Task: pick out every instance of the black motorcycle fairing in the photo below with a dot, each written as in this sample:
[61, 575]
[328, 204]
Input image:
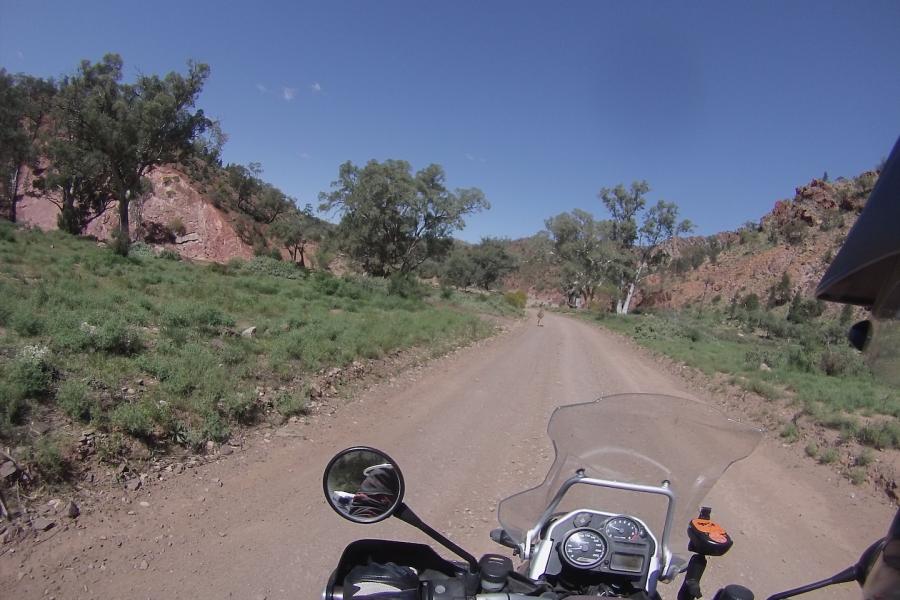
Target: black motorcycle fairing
[418, 556]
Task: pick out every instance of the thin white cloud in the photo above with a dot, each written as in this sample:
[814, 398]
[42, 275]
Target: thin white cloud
[304, 155]
[262, 89]
[469, 156]
[316, 87]
[21, 55]
[473, 158]
[288, 93]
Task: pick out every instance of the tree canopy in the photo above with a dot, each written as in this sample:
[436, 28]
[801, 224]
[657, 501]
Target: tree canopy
[129, 128]
[393, 220]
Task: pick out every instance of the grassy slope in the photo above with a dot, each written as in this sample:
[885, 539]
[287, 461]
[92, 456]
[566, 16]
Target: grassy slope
[150, 347]
[852, 401]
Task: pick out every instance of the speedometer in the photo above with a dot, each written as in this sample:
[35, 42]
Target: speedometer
[584, 548]
[623, 528]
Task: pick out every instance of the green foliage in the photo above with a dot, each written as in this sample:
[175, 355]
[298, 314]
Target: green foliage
[109, 321]
[406, 285]
[74, 398]
[392, 220]
[812, 450]
[750, 302]
[828, 456]
[864, 458]
[803, 310]
[491, 262]
[115, 132]
[516, 299]
[780, 292]
[880, 435]
[841, 360]
[790, 432]
[857, 475]
[48, 461]
[31, 374]
[169, 254]
[135, 418]
[291, 404]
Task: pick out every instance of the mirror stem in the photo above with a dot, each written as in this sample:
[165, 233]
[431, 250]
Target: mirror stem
[405, 514]
[848, 574]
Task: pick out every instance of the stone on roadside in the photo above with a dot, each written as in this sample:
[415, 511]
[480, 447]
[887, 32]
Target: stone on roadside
[42, 524]
[134, 484]
[72, 510]
[225, 450]
[249, 332]
[8, 469]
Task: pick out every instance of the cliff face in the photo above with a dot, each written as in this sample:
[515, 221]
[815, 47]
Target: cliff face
[798, 237]
[174, 215]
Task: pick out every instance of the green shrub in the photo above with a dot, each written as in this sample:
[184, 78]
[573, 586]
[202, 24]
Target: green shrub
[169, 254]
[857, 475]
[885, 434]
[27, 324]
[828, 456]
[116, 337]
[176, 226]
[516, 299]
[290, 404]
[13, 406]
[267, 265]
[837, 361]
[194, 315]
[7, 232]
[48, 461]
[74, 398]
[446, 292]
[141, 250]
[215, 427]
[137, 419]
[864, 458]
[790, 432]
[750, 302]
[406, 285]
[31, 372]
[812, 450]
[239, 406]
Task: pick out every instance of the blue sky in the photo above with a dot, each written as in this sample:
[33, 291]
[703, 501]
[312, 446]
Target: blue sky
[723, 108]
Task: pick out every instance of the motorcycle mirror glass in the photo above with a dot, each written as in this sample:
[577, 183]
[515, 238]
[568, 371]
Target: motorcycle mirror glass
[363, 485]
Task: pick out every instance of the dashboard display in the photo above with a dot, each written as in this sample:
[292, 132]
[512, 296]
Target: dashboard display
[584, 548]
[632, 563]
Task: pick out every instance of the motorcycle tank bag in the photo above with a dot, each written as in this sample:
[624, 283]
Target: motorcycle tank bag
[376, 581]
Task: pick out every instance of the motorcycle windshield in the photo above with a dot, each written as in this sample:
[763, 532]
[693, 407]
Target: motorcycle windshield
[644, 439]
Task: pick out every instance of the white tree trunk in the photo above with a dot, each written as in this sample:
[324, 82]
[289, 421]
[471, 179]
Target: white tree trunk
[626, 305]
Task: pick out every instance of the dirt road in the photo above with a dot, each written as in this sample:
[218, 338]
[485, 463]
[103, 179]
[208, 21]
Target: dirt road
[467, 430]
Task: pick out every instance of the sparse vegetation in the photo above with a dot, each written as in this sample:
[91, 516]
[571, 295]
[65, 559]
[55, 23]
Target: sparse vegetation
[152, 348]
[769, 354]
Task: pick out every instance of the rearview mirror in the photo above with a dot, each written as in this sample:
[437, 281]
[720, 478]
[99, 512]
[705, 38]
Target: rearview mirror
[363, 485]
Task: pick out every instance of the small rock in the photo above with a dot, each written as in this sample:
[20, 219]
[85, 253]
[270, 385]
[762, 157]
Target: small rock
[764, 367]
[134, 484]
[131, 513]
[225, 450]
[210, 445]
[249, 332]
[42, 524]
[144, 565]
[72, 510]
[145, 504]
[178, 468]
[130, 391]
[8, 469]
[140, 382]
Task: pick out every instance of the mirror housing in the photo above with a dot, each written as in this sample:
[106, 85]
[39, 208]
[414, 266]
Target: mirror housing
[363, 485]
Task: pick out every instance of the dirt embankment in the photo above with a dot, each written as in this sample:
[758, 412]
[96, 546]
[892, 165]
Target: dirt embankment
[174, 215]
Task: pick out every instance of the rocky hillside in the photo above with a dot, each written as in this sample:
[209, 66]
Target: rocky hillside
[798, 237]
[180, 213]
